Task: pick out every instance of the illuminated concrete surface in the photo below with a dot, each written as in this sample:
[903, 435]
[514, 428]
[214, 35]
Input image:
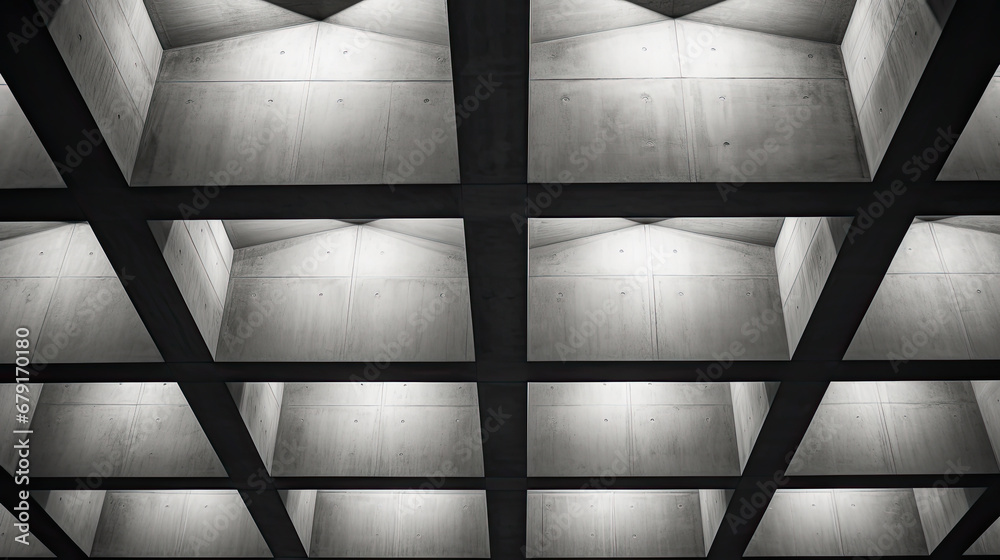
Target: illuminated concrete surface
[900, 428]
[618, 523]
[378, 429]
[10, 548]
[940, 298]
[974, 158]
[23, 161]
[989, 543]
[58, 282]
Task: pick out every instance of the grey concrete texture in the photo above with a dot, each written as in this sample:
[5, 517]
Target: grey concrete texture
[642, 429]
[385, 291]
[23, 161]
[400, 524]
[940, 298]
[616, 523]
[652, 291]
[58, 283]
[901, 428]
[10, 548]
[974, 157]
[119, 430]
[379, 429]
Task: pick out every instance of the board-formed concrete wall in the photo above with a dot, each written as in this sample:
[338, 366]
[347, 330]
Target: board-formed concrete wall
[898, 428]
[56, 281]
[940, 298]
[112, 52]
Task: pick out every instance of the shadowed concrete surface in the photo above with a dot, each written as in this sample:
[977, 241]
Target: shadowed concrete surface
[378, 429]
[735, 92]
[902, 427]
[400, 524]
[940, 298]
[642, 429]
[10, 548]
[23, 161]
[58, 281]
[989, 543]
[115, 430]
[620, 523]
[325, 290]
[690, 289]
[974, 156]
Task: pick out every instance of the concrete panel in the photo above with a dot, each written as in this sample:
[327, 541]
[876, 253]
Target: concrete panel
[24, 163]
[326, 254]
[815, 20]
[442, 524]
[553, 19]
[587, 394]
[77, 512]
[679, 253]
[222, 241]
[386, 255]
[918, 253]
[798, 524]
[245, 233]
[578, 441]
[187, 22]
[973, 157]
[211, 258]
[167, 440]
[684, 441]
[699, 317]
[145, 35]
[617, 253]
[927, 392]
[162, 393]
[750, 407]
[865, 518]
[415, 319]
[657, 524]
[73, 440]
[967, 251]
[570, 524]
[301, 506]
[303, 320]
[431, 394]
[125, 51]
[617, 311]
[637, 137]
[10, 230]
[345, 53]
[85, 256]
[844, 439]
[24, 301]
[223, 132]
[761, 231]
[359, 524]
[10, 548]
[328, 441]
[941, 508]
[645, 51]
[713, 510]
[679, 394]
[82, 46]
[260, 411]
[194, 280]
[808, 284]
[186, 523]
[904, 306]
[712, 51]
[8, 400]
[331, 394]
[909, 48]
[931, 439]
[420, 20]
[422, 142]
[89, 393]
[100, 322]
[988, 224]
[803, 130]
[988, 398]
[36, 254]
[450, 231]
[344, 133]
[865, 42]
[548, 231]
[429, 440]
[281, 54]
[793, 249]
[988, 543]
